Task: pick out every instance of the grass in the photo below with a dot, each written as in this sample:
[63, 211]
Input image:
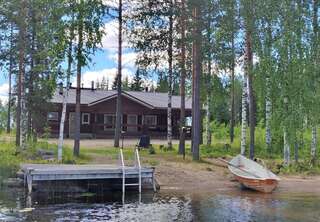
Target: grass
[221, 147]
[10, 159]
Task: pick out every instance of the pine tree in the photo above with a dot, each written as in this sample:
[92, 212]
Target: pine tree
[137, 82]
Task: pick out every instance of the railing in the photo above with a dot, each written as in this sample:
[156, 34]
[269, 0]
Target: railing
[137, 165]
[121, 163]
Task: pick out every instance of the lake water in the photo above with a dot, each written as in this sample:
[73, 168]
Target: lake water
[242, 206]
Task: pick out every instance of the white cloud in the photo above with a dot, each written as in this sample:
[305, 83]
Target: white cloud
[108, 74]
[4, 89]
[128, 59]
[110, 38]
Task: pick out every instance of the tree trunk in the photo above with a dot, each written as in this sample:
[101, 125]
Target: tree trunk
[248, 66]
[313, 144]
[21, 111]
[244, 117]
[208, 111]
[286, 148]
[316, 57]
[170, 51]
[268, 115]
[232, 118]
[268, 102]
[183, 80]
[196, 82]
[65, 99]
[119, 84]
[208, 117]
[76, 150]
[10, 78]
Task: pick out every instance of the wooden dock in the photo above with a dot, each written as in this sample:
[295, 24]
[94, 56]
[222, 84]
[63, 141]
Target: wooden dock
[54, 172]
[61, 172]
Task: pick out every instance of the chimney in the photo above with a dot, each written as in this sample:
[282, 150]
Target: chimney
[60, 88]
[92, 85]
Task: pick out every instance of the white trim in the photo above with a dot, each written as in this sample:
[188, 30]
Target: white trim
[125, 95]
[82, 119]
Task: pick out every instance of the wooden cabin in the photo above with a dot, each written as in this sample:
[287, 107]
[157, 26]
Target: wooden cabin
[143, 113]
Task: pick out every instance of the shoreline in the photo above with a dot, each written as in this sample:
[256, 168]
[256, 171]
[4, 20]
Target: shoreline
[201, 178]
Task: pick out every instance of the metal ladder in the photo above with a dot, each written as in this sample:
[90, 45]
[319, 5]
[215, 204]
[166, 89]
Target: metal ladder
[137, 165]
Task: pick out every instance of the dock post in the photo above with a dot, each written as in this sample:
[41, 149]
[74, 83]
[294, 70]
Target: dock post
[154, 183]
[29, 180]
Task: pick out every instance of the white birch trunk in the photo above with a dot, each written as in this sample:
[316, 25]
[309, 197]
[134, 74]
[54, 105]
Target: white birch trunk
[169, 135]
[208, 117]
[63, 117]
[313, 143]
[286, 148]
[268, 115]
[244, 118]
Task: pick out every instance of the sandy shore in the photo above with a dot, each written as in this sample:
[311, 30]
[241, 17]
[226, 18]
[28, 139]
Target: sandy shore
[172, 173]
[203, 177]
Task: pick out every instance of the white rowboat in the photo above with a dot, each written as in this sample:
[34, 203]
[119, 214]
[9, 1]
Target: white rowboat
[252, 175]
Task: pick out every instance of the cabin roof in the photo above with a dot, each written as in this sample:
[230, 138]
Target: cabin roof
[153, 100]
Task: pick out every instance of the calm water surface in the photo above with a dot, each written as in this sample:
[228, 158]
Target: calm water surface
[163, 206]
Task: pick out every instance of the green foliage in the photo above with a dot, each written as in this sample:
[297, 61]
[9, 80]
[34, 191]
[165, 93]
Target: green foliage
[151, 150]
[10, 160]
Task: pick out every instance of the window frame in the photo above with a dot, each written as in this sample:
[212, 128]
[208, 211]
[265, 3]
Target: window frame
[105, 128]
[82, 119]
[154, 122]
[56, 114]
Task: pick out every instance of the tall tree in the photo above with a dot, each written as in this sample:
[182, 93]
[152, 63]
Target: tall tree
[137, 82]
[66, 91]
[196, 118]
[21, 111]
[10, 74]
[170, 77]
[183, 21]
[315, 71]
[88, 22]
[119, 84]
[248, 59]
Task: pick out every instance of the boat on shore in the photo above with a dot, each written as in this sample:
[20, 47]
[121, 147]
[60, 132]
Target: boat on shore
[252, 175]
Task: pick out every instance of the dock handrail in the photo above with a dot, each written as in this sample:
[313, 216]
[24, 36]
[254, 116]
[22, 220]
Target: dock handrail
[137, 164]
[121, 160]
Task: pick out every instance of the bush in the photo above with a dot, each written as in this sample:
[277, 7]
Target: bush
[152, 150]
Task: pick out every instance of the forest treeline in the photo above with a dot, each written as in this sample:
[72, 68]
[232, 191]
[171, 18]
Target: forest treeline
[243, 62]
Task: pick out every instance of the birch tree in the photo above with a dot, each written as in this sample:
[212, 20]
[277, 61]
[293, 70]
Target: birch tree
[66, 91]
[182, 63]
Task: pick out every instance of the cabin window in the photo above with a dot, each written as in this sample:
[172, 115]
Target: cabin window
[150, 120]
[52, 116]
[85, 118]
[189, 121]
[109, 121]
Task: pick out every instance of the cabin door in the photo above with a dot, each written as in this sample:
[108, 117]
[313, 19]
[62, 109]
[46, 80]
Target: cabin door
[132, 122]
[72, 124]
